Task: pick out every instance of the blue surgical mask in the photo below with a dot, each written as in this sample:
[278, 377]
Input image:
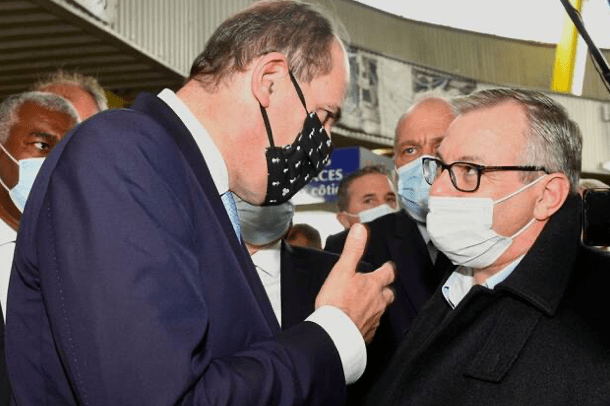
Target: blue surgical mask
[413, 190]
[262, 225]
[28, 169]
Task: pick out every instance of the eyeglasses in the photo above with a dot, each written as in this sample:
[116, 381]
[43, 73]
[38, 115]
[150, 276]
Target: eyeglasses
[466, 176]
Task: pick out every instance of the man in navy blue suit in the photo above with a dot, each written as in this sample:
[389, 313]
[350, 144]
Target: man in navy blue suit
[131, 284]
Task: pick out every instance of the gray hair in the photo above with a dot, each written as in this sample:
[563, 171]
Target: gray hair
[9, 108]
[553, 140]
[88, 83]
[298, 30]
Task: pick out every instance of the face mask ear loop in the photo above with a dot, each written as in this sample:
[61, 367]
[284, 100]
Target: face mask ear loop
[298, 89]
[267, 125]
[8, 154]
[13, 159]
[519, 190]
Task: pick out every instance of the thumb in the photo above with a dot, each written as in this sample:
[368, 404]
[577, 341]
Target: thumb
[354, 247]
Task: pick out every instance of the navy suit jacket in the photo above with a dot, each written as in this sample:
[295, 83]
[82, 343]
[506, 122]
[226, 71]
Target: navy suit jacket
[130, 287]
[303, 272]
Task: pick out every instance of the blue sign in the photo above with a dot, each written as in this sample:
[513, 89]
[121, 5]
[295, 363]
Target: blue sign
[343, 161]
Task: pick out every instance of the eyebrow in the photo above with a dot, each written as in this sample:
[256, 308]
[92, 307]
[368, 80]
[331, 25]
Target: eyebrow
[438, 139]
[45, 135]
[463, 158]
[368, 195]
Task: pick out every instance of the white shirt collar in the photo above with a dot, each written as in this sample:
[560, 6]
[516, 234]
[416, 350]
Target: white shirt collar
[461, 281]
[269, 259]
[212, 156]
[7, 234]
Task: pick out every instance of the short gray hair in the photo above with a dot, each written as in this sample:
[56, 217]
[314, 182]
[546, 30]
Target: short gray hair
[553, 140]
[88, 83]
[301, 31]
[9, 108]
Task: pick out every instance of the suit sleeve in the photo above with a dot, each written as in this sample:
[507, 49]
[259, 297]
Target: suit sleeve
[122, 288]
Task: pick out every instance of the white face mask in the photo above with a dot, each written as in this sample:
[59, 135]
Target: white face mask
[28, 169]
[460, 227]
[413, 189]
[369, 215]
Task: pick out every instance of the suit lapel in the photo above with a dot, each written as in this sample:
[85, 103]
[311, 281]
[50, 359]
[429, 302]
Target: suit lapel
[165, 116]
[408, 250]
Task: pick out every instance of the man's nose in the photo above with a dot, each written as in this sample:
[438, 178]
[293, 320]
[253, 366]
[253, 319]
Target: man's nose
[442, 185]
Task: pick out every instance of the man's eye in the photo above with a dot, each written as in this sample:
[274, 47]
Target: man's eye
[42, 146]
[470, 171]
[409, 151]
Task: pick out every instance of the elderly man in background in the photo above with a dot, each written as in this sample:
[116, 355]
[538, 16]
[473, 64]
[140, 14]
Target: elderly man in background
[84, 92]
[31, 124]
[522, 320]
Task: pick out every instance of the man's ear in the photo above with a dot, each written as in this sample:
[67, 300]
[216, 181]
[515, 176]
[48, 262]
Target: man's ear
[342, 217]
[555, 190]
[268, 69]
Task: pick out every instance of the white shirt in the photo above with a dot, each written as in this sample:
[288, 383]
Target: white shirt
[7, 249]
[268, 262]
[461, 281]
[342, 331]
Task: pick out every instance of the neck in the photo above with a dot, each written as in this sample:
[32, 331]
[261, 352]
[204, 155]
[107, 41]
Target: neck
[8, 212]
[227, 121]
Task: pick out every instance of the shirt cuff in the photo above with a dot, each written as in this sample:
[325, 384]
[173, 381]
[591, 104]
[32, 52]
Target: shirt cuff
[347, 340]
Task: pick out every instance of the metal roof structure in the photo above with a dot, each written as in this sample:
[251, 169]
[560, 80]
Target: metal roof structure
[39, 36]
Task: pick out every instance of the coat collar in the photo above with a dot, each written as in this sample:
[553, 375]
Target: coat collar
[543, 275]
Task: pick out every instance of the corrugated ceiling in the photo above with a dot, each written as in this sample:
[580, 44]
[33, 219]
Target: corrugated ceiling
[39, 36]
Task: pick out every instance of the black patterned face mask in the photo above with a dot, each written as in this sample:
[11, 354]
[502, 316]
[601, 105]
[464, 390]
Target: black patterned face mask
[294, 166]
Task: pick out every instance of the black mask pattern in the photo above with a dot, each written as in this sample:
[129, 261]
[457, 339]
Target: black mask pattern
[293, 166]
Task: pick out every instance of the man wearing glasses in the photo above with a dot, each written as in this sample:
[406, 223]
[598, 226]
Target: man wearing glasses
[520, 319]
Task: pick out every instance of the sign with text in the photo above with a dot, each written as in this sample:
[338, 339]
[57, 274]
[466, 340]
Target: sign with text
[343, 161]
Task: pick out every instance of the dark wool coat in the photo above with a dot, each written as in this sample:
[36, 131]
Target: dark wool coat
[539, 338]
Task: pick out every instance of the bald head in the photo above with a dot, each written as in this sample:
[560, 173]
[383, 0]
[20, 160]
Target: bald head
[421, 129]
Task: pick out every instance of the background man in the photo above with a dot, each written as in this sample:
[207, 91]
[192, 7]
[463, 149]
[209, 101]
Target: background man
[520, 321]
[84, 92]
[304, 235]
[31, 124]
[401, 237]
[365, 195]
[131, 285]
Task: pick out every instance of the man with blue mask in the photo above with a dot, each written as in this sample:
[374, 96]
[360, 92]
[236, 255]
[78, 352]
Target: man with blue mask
[31, 124]
[522, 319]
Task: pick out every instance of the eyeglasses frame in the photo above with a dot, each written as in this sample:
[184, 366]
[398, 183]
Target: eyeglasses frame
[480, 170]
